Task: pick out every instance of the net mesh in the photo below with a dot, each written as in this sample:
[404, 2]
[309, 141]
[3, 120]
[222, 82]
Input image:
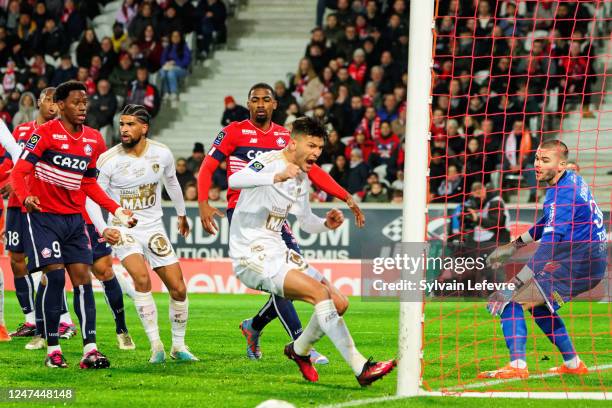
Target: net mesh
[508, 76]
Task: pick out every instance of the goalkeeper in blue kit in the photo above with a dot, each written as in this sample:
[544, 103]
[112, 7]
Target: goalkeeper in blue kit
[571, 259]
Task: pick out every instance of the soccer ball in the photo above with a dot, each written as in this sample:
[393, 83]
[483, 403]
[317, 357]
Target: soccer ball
[273, 403]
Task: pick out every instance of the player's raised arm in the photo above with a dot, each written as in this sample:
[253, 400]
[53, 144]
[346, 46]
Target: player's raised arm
[325, 182]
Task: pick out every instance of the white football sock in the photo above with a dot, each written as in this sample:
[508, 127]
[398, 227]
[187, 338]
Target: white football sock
[518, 363]
[179, 312]
[1, 297]
[51, 349]
[311, 334]
[147, 312]
[88, 348]
[334, 327]
[65, 318]
[126, 286]
[30, 318]
[573, 363]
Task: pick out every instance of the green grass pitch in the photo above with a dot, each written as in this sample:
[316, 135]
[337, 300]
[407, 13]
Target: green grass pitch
[225, 378]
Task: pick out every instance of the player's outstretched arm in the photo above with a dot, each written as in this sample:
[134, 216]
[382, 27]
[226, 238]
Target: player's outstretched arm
[93, 190]
[256, 174]
[207, 211]
[20, 172]
[8, 142]
[325, 182]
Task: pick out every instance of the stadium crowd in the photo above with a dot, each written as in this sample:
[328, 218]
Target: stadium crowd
[494, 62]
[45, 43]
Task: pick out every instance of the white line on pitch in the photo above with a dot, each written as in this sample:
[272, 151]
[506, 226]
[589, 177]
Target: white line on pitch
[357, 403]
[503, 381]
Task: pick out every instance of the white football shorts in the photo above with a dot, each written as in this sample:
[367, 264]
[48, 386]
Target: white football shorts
[150, 240]
[267, 272]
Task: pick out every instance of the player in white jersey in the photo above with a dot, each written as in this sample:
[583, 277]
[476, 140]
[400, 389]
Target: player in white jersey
[132, 173]
[273, 186]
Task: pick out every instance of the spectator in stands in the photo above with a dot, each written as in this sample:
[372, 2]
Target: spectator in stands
[142, 20]
[220, 175]
[109, 57]
[283, 100]
[142, 92]
[398, 126]
[578, 79]
[517, 158]
[344, 79]
[388, 112]
[27, 32]
[87, 48]
[122, 75]
[353, 116]
[126, 13]
[332, 149]
[191, 192]
[361, 142]
[317, 58]
[151, 48]
[5, 115]
[53, 39]
[65, 72]
[312, 94]
[358, 68]
[212, 16]
[95, 67]
[384, 150]
[476, 166]
[83, 76]
[333, 111]
[487, 211]
[170, 22]
[304, 74]
[27, 109]
[398, 183]
[183, 174]
[348, 43]
[358, 172]
[119, 38]
[72, 20]
[333, 32]
[138, 58]
[102, 107]
[175, 62]
[377, 194]
[214, 194]
[451, 188]
[340, 171]
[197, 157]
[371, 97]
[233, 112]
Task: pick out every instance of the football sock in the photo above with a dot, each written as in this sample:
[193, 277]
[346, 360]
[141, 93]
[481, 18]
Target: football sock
[515, 332]
[114, 299]
[85, 309]
[179, 312]
[334, 327]
[24, 289]
[311, 334]
[147, 312]
[282, 308]
[52, 304]
[553, 327]
[65, 317]
[38, 306]
[89, 347]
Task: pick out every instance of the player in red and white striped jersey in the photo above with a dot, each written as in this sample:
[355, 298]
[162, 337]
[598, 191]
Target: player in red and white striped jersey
[60, 157]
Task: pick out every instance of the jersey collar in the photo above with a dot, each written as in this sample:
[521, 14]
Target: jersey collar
[259, 130]
[70, 134]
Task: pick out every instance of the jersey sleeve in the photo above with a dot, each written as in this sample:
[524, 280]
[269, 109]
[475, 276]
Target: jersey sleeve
[223, 145]
[255, 174]
[173, 187]
[34, 148]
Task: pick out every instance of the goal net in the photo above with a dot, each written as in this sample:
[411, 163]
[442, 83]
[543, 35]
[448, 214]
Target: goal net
[506, 77]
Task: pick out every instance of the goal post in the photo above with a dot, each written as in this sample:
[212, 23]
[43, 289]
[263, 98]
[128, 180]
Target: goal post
[415, 193]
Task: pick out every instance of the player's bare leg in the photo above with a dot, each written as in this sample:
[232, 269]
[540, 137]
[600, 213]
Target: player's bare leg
[102, 269]
[24, 289]
[327, 320]
[85, 309]
[145, 304]
[172, 276]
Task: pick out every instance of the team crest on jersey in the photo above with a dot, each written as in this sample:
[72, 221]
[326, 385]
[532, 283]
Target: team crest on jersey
[159, 245]
[155, 167]
[219, 138]
[256, 166]
[46, 253]
[281, 142]
[88, 150]
[32, 142]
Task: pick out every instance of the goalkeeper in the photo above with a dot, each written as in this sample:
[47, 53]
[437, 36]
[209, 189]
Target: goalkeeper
[570, 259]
